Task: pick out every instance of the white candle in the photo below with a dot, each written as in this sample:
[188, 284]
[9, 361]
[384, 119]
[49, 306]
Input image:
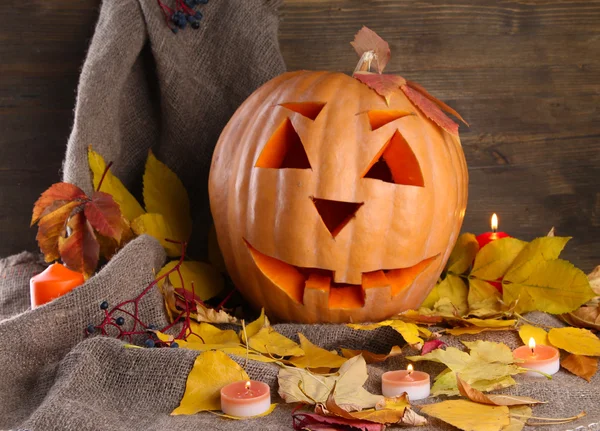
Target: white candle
[541, 358]
[245, 398]
[416, 384]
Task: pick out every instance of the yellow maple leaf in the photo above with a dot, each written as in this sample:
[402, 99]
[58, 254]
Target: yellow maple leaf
[315, 357]
[575, 340]
[469, 416]
[538, 334]
[211, 371]
[129, 205]
[207, 281]
[165, 194]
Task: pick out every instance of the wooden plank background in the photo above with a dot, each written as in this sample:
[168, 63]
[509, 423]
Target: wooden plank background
[524, 73]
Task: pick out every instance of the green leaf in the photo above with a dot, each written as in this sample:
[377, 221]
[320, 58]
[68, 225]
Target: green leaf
[463, 254]
[129, 205]
[207, 281]
[453, 296]
[554, 286]
[493, 260]
[165, 194]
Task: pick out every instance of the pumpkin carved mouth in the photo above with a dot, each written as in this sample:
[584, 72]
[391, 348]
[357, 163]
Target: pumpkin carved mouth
[302, 284]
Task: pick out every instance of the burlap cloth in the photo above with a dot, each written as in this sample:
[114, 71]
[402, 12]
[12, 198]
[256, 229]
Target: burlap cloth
[143, 87]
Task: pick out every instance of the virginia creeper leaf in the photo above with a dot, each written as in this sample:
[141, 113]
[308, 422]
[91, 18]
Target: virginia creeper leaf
[367, 40]
[314, 422]
[494, 259]
[206, 280]
[384, 85]
[463, 254]
[110, 246]
[104, 215]
[575, 340]
[129, 205]
[211, 371]
[430, 109]
[538, 334]
[55, 197]
[80, 250]
[50, 228]
[582, 366]
[469, 416]
[157, 226]
[431, 345]
[165, 194]
[435, 100]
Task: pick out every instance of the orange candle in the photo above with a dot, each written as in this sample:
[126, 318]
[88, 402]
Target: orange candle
[416, 384]
[54, 281]
[245, 398]
[545, 359]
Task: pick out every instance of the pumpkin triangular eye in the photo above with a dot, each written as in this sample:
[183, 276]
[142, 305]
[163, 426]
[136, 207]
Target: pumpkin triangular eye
[308, 109]
[284, 149]
[396, 163]
[336, 214]
[379, 118]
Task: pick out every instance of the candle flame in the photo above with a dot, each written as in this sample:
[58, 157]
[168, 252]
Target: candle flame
[410, 369]
[248, 385]
[494, 222]
[532, 344]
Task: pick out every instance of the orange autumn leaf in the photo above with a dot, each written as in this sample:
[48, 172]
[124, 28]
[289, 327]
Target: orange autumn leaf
[367, 40]
[430, 109]
[582, 366]
[103, 213]
[54, 198]
[372, 358]
[473, 394]
[384, 85]
[80, 250]
[50, 228]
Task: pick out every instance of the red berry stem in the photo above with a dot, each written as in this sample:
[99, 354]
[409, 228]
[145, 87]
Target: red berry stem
[106, 169]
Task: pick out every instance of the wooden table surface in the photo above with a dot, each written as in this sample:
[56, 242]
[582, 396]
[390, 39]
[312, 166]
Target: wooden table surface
[524, 73]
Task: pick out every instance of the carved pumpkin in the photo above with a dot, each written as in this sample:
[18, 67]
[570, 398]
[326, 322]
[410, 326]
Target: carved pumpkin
[331, 205]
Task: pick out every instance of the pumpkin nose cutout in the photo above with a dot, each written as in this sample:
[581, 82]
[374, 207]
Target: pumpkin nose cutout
[336, 214]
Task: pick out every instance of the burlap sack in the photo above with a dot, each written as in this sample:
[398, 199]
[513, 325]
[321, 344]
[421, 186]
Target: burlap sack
[143, 87]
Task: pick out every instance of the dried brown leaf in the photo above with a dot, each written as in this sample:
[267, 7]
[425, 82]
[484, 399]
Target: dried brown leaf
[372, 358]
[495, 400]
[582, 366]
[384, 85]
[80, 250]
[367, 40]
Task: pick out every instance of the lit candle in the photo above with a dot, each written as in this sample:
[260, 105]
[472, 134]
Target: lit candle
[54, 281]
[245, 398]
[540, 358]
[487, 237]
[416, 384]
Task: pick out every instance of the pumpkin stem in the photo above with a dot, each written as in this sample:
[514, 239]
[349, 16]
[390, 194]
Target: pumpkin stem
[366, 61]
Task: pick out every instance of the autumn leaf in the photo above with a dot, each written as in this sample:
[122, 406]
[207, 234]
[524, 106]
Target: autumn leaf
[390, 411]
[431, 345]
[165, 194]
[367, 40]
[518, 417]
[495, 400]
[469, 416]
[303, 386]
[463, 254]
[538, 334]
[80, 250]
[537, 251]
[476, 326]
[471, 330]
[493, 260]
[103, 213]
[129, 205]
[206, 314]
[211, 371]
[409, 331]
[315, 357]
[260, 336]
[51, 226]
[483, 298]
[413, 316]
[110, 246]
[588, 315]
[156, 226]
[384, 85]
[207, 281]
[54, 198]
[446, 384]
[207, 333]
[453, 296]
[575, 340]
[372, 358]
[311, 421]
[582, 366]
[447, 109]
[430, 109]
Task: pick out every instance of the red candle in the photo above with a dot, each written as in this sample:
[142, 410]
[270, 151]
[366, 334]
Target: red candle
[54, 281]
[487, 237]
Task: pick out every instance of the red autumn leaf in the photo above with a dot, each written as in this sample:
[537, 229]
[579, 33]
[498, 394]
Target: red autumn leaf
[384, 85]
[314, 422]
[104, 215]
[51, 227]
[431, 110]
[367, 40]
[80, 249]
[435, 100]
[56, 196]
[431, 345]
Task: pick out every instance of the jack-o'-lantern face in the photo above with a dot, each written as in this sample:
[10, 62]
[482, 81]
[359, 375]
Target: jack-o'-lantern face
[332, 206]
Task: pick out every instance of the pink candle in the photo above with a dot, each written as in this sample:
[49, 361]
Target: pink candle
[416, 384]
[540, 358]
[245, 398]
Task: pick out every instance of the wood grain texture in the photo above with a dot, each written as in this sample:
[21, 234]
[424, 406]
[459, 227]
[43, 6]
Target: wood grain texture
[525, 74]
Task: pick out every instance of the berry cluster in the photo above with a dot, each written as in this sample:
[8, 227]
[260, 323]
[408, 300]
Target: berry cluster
[183, 14]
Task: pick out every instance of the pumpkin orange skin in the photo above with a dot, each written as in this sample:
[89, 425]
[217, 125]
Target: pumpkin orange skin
[271, 210]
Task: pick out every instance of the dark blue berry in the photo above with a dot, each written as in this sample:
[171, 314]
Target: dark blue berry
[181, 23]
[195, 25]
[174, 30]
[104, 305]
[153, 327]
[191, 19]
[198, 15]
[91, 329]
[190, 3]
[174, 345]
[120, 321]
[149, 342]
[202, 1]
